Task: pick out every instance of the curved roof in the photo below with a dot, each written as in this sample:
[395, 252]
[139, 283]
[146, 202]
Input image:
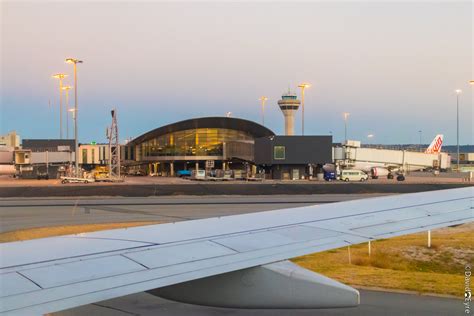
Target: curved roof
[254, 129]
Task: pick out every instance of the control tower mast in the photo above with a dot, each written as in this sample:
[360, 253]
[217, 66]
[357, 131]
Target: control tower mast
[289, 104]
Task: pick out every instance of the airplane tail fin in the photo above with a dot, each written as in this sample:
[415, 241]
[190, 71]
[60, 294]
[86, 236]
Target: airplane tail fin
[435, 146]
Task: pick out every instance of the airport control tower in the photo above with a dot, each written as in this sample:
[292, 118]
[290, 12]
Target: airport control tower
[289, 105]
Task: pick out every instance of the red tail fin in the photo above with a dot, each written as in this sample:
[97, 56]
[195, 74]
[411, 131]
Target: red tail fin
[435, 146]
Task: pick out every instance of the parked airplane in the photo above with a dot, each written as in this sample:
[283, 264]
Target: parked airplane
[231, 261]
[380, 169]
[7, 169]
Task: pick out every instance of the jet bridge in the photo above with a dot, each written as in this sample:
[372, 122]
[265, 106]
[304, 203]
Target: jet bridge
[352, 154]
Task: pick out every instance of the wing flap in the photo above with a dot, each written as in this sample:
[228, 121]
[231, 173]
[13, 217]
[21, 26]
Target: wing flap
[14, 284]
[274, 238]
[173, 255]
[81, 270]
[416, 223]
[34, 251]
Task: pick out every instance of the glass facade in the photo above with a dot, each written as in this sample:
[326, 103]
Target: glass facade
[192, 142]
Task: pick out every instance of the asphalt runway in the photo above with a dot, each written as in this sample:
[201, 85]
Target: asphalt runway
[32, 212]
[372, 303]
[24, 213]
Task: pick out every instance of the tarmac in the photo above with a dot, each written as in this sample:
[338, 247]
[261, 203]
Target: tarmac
[173, 187]
[23, 213]
[373, 303]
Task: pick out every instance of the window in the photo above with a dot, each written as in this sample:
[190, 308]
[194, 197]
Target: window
[84, 156]
[101, 153]
[279, 152]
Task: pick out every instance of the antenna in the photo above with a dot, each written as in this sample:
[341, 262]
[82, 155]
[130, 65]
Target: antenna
[114, 147]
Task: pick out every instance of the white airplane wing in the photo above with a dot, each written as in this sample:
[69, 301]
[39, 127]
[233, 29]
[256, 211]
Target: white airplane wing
[226, 261]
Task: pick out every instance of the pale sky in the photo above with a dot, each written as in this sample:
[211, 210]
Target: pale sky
[393, 65]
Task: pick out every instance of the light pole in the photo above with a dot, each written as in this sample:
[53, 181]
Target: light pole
[458, 92]
[76, 150]
[370, 137]
[60, 77]
[420, 132]
[73, 112]
[303, 86]
[67, 88]
[346, 115]
[263, 99]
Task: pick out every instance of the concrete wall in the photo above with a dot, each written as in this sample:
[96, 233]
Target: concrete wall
[95, 154]
[11, 139]
[51, 157]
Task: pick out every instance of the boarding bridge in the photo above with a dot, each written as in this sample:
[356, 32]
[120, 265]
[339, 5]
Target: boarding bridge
[406, 160]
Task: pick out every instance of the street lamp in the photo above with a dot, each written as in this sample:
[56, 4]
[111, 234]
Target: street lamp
[303, 86]
[458, 92]
[73, 112]
[67, 88]
[370, 137]
[419, 143]
[263, 99]
[346, 115]
[60, 77]
[75, 62]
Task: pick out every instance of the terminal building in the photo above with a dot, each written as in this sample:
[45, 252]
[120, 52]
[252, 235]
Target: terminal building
[226, 143]
[216, 142]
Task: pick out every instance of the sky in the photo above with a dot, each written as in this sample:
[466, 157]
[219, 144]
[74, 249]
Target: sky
[393, 66]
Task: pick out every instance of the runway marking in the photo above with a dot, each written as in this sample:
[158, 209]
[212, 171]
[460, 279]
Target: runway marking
[75, 206]
[128, 211]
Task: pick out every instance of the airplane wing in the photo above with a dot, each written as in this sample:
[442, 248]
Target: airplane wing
[216, 261]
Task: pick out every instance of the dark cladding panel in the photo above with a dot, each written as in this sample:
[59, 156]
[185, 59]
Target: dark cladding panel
[239, 150]
[42, 145]
[263, 150]
[290, 150]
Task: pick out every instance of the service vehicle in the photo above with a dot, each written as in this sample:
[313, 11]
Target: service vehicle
[198, 175]
[183, 173]
[330, 175]
[353, 175]
[76, 180]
